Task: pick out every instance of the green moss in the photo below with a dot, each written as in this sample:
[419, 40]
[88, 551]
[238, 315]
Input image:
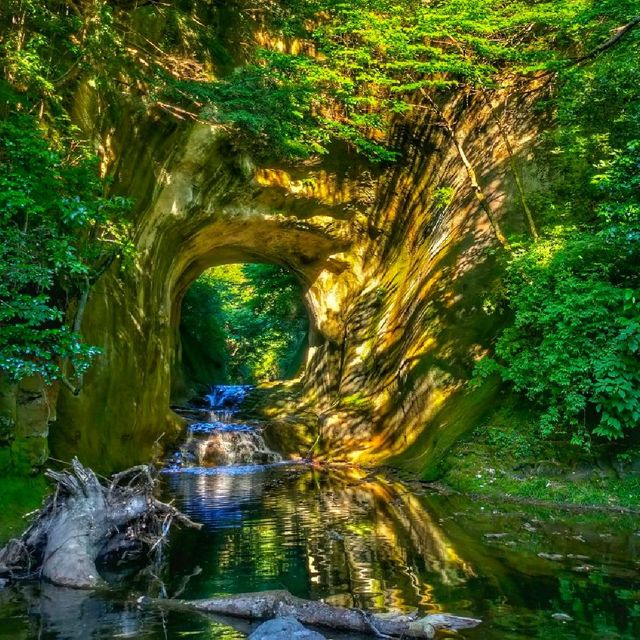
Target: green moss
[28, 454]
[459, 415]
[504, 457]
[5, 460]
[475, 478]
[356, 401]
[18, 496]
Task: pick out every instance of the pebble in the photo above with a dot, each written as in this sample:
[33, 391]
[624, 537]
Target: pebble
[555, 557]
[562, 617]
[583, 568]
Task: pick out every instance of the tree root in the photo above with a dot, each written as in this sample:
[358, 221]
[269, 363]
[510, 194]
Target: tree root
[86, 521]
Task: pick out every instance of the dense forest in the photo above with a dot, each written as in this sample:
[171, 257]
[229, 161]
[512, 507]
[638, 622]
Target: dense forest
[243, 324]
[413, 225]
[571, 278]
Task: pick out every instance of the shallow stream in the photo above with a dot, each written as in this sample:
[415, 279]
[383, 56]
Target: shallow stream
[369, 541]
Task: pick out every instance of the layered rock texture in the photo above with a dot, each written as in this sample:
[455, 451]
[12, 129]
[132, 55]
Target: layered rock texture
[27, 409]
[394, 263]
[394, 274]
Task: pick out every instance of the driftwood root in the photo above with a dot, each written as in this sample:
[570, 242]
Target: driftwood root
[86, 521]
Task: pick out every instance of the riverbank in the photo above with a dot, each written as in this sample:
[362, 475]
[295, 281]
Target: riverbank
[18, 497]
[504, 458]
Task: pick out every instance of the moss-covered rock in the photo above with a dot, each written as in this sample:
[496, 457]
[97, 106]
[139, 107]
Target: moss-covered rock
[27, 409]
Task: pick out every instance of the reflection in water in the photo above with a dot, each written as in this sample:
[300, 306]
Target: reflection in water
[368, 542]
[342, 537]
[46, 612]
[372, 543]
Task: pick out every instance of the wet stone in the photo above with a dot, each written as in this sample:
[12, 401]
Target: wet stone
[562, 617]
[554, 557]
[287, 628]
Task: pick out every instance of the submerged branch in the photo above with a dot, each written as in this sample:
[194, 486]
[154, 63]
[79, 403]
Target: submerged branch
[274, 604]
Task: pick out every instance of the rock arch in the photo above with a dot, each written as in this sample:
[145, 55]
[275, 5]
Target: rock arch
[204, 212]
[395, 282]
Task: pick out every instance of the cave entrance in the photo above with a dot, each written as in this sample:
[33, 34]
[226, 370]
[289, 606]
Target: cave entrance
[242, 323]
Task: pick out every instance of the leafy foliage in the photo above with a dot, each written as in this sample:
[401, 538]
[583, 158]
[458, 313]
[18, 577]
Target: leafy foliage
[575, 342]
[268, 103]
[354, 67]
[327, 70]
[249, 319]
[57, 231]
[574, 347]
[203, 339]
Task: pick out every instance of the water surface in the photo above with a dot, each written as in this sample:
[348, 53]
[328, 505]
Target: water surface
[364, 541]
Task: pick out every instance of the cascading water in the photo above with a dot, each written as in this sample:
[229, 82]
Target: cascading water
[225, 400]
[220, 444]
[227, 397]
[221, 441]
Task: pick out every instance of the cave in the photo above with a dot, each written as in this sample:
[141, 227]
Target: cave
[383, 305]
[241, 324]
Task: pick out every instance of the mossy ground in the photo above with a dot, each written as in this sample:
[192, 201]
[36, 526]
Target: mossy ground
[18, 496]
[505, 457]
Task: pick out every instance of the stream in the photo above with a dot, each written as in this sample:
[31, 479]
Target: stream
[353, 539]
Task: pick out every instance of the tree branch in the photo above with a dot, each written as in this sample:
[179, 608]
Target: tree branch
[618, 34]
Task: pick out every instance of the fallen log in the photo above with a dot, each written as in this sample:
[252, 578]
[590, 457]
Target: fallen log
[266, 605]
[86, 521]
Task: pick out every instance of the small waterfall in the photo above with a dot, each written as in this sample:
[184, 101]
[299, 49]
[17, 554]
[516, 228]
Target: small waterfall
[225, 400]
[218, 444]
[222, 442]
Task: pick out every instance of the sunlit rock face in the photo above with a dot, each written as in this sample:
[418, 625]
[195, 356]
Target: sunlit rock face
[394, 264]
[204, 209]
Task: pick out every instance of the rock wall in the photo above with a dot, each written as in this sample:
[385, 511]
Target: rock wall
[206, 208]
[412, 324]
[395, 265]
[27, 409]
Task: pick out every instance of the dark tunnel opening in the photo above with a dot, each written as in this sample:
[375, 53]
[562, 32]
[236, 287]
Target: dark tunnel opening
[242, 323]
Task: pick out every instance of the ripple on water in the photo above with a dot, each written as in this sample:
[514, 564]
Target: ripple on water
[370, 543]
